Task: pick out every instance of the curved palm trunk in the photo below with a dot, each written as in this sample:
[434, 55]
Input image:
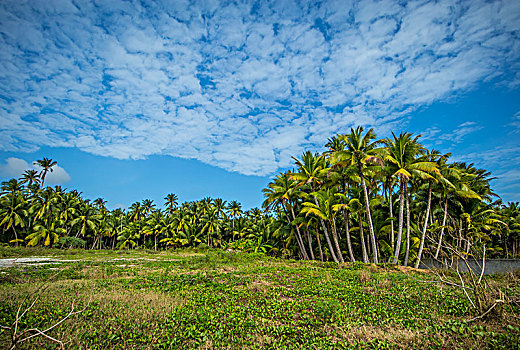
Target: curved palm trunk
[299, 236]
[362, 238]
[400, 229]
[326, 233]
[442, 229]
[421, 246]
[335, 238]
[369, 216]
[349, 243]
[407, 253]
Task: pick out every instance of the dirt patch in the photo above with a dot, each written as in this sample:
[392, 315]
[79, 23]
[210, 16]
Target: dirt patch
[408, 269]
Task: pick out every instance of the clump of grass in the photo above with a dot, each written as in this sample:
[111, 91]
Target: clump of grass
[364, 276]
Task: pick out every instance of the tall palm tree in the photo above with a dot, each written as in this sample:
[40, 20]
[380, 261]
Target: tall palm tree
[171, 202]
[402, 153]
[432, 156]
[359, 151]
[235, 210]
[282, 191]
[47, 165]
[312, 170]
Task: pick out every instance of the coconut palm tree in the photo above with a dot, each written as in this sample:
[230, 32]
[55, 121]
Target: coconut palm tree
[30, 177]
[47, 165]
[312, 170]
[361, 150]
[171, 202]
[324, 210]
[12, 213]
[282, 191]
[48, 232]
[403, 155]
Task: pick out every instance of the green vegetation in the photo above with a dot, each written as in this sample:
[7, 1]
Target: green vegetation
[208, 298]
[363, 199]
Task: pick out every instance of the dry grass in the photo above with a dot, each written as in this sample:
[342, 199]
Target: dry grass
[364, 276]
[403, 338]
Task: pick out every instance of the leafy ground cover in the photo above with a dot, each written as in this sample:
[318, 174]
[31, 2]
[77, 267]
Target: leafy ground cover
[230, 300]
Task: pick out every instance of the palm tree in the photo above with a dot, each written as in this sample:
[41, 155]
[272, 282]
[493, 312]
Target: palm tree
[282, 191]
[312, 169]
[30, 177]
[87, 220]
[47, 165]
[431, 157]
[48, 232]
[324, 210]
[171, 202]
[155, 226]
[360, 150]
[235, 210]
[13, 213]
[403, 155]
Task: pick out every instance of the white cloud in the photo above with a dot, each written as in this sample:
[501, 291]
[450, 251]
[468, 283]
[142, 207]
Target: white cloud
[240, 86]
[15, 167]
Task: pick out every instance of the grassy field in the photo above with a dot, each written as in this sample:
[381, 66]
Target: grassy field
[227, 300]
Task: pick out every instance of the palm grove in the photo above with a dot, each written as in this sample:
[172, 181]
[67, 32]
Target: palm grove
[389, 200]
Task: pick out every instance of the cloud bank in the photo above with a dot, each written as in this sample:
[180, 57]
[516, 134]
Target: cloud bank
[242, 86]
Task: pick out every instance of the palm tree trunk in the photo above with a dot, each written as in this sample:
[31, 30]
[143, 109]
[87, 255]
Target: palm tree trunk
[309, 240]
[15, 236]
[297, 240]
[299, 236]
[362, 238]
[390, 205]
[326, 233]
[369, 216]
[319, 242]
[349, 243]
[421, 246]
[94, 245]
[442, 228]
[335, 238]
[155, 243]
[400, 229]
[407, 253]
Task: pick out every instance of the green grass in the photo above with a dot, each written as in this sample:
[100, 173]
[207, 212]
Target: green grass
[225, 300]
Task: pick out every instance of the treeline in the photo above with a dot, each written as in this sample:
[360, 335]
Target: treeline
[389, 200]
[33, 214]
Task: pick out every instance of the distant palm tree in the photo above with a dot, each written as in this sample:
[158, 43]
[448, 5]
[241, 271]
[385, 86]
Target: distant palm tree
[235, 210]
[47, 165]
[30, 177]
[171, 202]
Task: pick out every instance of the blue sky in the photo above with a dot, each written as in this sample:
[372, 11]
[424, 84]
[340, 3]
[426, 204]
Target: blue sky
[137, 99]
